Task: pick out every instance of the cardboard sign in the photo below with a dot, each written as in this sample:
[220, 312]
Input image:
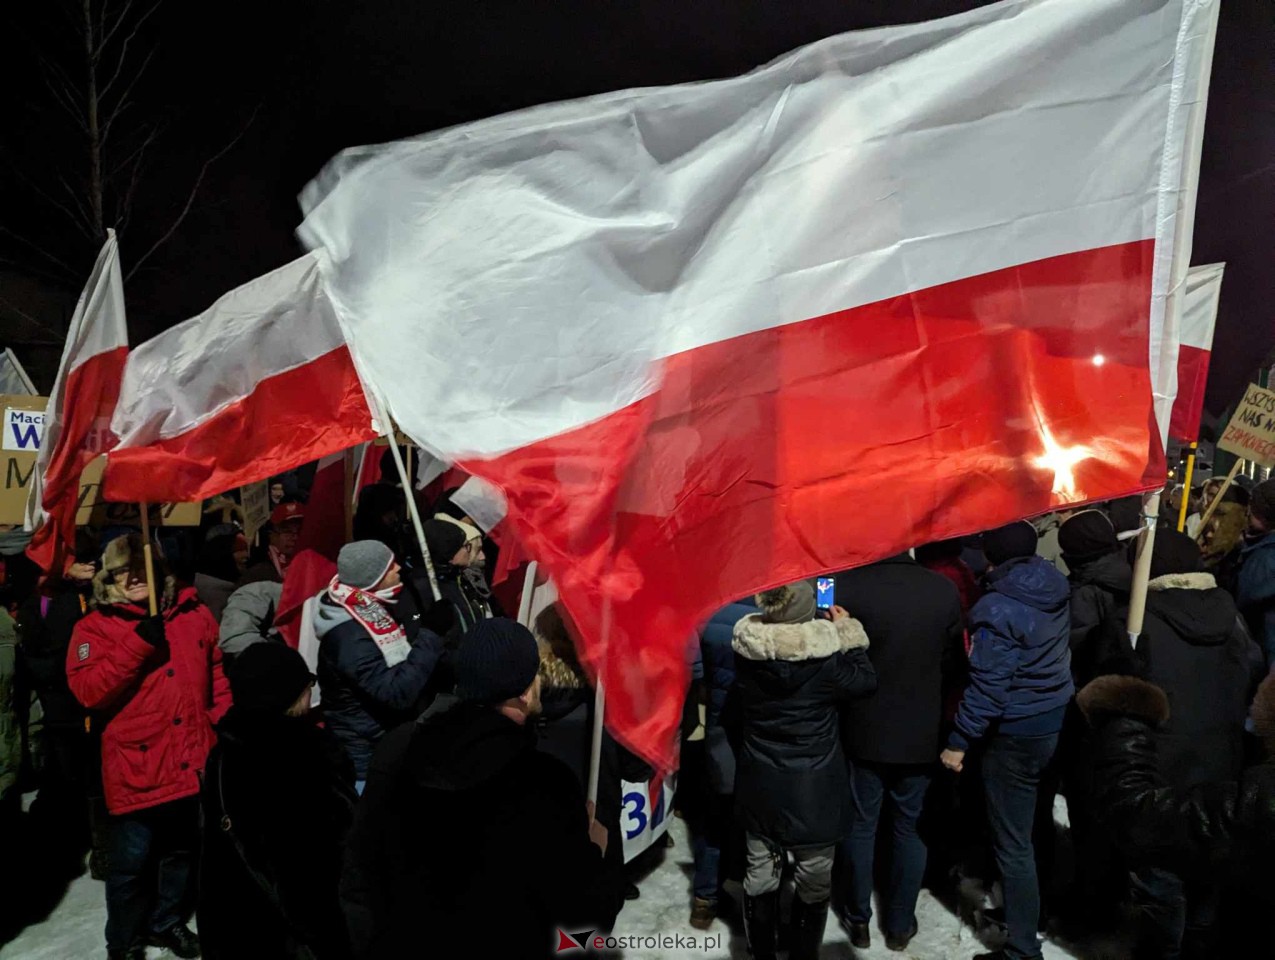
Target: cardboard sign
[1251, 432]
[482, 501]
[94, 511]
[255, 500]
[22, 435]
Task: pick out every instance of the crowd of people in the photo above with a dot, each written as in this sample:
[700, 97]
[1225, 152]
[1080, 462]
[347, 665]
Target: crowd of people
[420, 767]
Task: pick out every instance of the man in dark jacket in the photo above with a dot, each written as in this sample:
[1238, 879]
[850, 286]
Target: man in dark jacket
[1100, 577]
[1197, 650]
[278, 800]
[914, 619]
[1020, 684]
[1222, 830]
[1256, 596]
[468, 840]
[375, 658]
[792, 671]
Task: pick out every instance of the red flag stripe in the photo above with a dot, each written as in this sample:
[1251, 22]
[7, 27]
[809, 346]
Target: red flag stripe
[290, 419]
[832, 442]
[1193, 375]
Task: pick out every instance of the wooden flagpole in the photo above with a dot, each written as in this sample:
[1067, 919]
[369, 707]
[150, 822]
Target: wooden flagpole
[1142, 567]
[150, 560]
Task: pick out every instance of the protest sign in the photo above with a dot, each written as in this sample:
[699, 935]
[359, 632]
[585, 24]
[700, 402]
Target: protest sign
[23, 426]
[645, 813]
[255, 500]
[1251, 432]
[94, 511]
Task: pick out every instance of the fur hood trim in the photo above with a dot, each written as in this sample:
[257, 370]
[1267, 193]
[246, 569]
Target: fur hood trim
[813, 640]
[126, 551]
[1118, 695]
[558, 674]
[1184, 581]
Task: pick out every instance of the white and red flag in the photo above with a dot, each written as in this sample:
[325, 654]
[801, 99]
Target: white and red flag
[897, 286]
[79, 409]
[259, 383]
[1199, 316]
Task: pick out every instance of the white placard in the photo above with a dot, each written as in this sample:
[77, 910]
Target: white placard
[643, 820]
[23, 429]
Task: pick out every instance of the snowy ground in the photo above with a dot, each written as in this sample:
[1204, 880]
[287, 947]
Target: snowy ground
[74, 929]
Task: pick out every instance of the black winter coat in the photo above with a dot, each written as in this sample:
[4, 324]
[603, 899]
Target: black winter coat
[1194, 646]
[1099, 591]
[791, 780]
[364, 697]
[288, 789]
[914, 619]
[1223, 829]
[470, 842]
[46, 631]
[564, 730]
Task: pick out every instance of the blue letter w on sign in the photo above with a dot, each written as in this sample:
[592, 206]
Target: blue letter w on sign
[25, 435]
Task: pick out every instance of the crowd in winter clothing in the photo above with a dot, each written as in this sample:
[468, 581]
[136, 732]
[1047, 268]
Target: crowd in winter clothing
[417, 764]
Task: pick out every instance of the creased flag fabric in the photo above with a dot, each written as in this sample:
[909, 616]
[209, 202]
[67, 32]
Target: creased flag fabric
[79, 411]
[1199, 317]
[896, 286]
[259, 383]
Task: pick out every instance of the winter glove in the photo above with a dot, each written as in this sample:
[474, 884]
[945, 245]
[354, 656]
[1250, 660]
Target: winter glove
[151, 630]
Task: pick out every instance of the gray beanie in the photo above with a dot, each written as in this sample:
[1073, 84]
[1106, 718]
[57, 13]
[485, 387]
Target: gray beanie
[363, 563]
[794, 603]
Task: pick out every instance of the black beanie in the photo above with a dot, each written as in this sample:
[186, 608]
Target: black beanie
[268, 677]
[1087, 536]
[444, 541]
[1173, 553]
[1017, 539]
[1126, 513]
[497, 660]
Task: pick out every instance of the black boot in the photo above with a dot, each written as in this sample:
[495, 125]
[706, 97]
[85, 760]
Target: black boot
[761, 923]
[808, 921]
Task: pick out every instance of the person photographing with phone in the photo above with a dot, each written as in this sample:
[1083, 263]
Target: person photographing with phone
[792, 671]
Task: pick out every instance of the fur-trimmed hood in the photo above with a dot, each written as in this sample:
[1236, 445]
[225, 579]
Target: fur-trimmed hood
[1184, 581]
[813, 640]
[557, 673]
[127, 551]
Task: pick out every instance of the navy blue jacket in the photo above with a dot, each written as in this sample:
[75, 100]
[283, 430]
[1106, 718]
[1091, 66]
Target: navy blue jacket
[1020, 661]
[721, 715]
[362, 696]
[1256, 594]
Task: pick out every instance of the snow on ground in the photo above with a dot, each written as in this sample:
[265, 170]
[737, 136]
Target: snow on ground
[74, 930]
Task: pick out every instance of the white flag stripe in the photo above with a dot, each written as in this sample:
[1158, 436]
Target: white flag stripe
[1199, 311]
[188, 374]
[563, 249]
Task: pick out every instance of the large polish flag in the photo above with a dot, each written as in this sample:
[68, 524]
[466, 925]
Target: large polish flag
[1199, 317]
[259, 383]
[899, 285]
[79, 409]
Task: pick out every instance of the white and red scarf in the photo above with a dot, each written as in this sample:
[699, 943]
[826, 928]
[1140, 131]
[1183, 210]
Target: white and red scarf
[368, 609]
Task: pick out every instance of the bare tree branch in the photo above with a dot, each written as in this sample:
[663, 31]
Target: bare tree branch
[37, 323]
[71, 213]
[77, 200]
[52, 258]
[119, 66]
[135, 153]
[123, 103]
[190, 198]
[125, 206]
[121, 20]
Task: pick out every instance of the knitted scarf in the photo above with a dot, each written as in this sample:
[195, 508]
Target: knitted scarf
[369, 610]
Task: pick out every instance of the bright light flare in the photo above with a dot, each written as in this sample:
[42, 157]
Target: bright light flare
[1061, 460]
[1099, 359]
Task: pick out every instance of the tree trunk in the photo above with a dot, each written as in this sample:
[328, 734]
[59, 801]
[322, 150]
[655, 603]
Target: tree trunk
[94, 131]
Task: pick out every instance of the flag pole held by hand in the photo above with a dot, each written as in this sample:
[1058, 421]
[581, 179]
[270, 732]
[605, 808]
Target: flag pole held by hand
[409, 495]
[1217, 499]
[150, 560]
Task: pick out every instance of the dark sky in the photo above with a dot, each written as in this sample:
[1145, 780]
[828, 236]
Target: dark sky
[326, 74]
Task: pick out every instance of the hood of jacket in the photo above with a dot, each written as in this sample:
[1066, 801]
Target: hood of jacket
[1111, 573]
[460, 745]
[328, 616]
[791, 642]
[127, 551]
[1032, 581]
[1194, 607]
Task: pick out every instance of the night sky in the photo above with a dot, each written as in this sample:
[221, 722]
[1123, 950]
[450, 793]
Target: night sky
[300, 80]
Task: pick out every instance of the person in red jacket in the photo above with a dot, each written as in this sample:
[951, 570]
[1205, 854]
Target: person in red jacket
[157, 683]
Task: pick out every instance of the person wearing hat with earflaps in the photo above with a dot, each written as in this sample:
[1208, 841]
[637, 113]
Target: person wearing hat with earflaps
[375, 656]
[466, 827]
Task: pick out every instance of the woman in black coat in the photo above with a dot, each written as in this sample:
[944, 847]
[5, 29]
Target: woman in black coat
[278, 800]
[791, 781]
